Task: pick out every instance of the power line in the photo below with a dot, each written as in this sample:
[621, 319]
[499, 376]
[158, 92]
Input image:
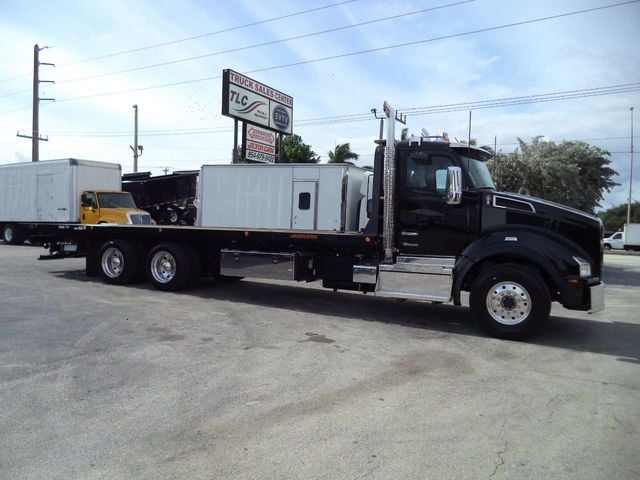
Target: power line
[203, 35]
[238, 27]
[256, 45]
[481, 104]
[359, 52]
[138, 24]
[413, 111]
[16, 93]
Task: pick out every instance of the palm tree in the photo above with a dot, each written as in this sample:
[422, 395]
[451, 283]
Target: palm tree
[342, 153]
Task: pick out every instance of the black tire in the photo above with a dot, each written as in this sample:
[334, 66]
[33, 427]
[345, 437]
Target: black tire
[510, 301]
[118, 262]
[12, 234]
[607, 247]
[173, 216]
[169, 266]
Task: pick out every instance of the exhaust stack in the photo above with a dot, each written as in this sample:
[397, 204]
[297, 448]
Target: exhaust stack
[390, 182]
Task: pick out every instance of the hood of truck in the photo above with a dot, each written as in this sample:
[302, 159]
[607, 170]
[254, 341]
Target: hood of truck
[124, 215]
[511, 210]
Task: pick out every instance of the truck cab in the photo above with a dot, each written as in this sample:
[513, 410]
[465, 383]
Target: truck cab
[614, 242]
[99, 206]
[447, 230]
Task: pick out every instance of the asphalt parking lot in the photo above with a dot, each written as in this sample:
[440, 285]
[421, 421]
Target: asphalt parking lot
[257, 380]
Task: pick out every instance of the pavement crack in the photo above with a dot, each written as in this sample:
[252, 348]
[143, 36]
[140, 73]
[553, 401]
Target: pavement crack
[500, 454]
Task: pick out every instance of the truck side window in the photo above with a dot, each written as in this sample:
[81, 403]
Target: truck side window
[427, 173]
[89, 200]
[304, 201]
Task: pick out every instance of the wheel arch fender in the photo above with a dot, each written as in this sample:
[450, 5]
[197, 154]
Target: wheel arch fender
[551, 259]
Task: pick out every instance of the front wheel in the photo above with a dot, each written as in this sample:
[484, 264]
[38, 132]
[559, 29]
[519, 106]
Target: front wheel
[510, 301]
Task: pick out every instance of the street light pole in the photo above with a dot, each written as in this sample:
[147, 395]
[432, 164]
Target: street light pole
[137, 149]
[630, 173]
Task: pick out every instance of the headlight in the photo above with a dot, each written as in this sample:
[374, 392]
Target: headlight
[585, 267]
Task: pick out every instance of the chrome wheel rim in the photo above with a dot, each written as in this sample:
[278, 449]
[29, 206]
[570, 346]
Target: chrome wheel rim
[112, 262]
[508, 303]
[163, 267]
[8, 234]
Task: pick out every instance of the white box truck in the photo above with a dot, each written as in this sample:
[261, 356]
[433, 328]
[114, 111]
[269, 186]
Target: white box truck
[631, 236]
[62, 191]
[281, 196]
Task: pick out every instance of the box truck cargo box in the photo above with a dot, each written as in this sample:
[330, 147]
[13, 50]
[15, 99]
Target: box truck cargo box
[49, 191]
[632, 236]
[283, 196]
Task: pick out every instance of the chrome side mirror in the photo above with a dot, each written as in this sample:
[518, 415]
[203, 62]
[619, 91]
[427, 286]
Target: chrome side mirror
[454, 185]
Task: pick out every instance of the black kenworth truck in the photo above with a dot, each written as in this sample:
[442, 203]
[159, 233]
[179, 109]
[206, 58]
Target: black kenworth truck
[434, 227]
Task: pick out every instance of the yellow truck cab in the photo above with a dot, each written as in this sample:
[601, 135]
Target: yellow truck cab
[111, 207]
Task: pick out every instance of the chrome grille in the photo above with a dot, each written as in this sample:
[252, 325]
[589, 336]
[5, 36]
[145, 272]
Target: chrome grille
[140, 218]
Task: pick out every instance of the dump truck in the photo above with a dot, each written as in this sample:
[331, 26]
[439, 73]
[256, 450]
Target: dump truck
[168, 198]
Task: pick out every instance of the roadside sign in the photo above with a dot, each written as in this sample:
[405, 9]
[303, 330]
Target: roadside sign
[260, 144]
[250, 101]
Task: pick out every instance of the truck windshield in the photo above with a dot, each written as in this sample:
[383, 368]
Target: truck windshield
[479, 175]
[115, 200]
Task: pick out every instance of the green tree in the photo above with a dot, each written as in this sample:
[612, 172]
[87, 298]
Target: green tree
[342, 153]
[615, 217]
[573, 173]
[296, 151]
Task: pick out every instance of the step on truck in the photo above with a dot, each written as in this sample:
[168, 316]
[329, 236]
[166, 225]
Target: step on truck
[426, 224]
[35, 195]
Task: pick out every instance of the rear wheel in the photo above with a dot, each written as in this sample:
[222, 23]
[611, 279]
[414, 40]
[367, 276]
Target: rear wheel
[510, 301]
[12, 234]
[169, 266]
[119, 262]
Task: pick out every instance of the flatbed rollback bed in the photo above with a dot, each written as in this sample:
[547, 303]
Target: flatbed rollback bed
[122, 254]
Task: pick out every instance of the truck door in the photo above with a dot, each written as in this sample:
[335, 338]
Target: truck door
[47, 204]
[303, 215]
[427, 225]
[89, 211]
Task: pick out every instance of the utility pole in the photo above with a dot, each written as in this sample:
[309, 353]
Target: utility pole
[630, 173]
[35, 127]
[137, 149]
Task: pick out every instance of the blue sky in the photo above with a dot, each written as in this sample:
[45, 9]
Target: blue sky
[461, 52]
